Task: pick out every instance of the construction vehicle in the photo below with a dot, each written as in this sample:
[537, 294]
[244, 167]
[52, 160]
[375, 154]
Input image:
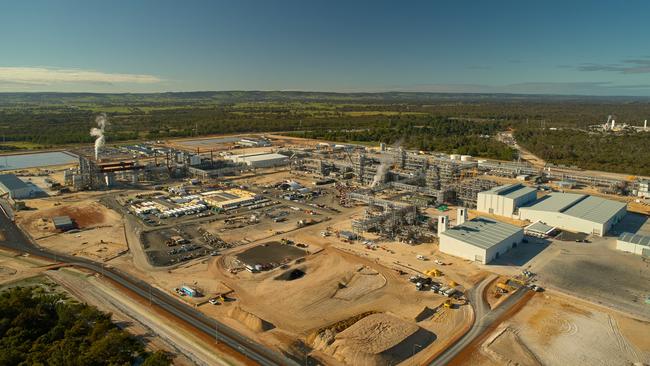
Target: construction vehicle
[503, 287]
[447, 304]
[433, 272]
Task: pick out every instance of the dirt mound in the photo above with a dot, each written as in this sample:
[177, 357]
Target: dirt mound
[83, 215]
[507, 348]
[378, 339]
[360, 283]
[252, 321]
[426, 313]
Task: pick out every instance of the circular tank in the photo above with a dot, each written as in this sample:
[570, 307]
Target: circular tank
[454, 157]
[466, 157]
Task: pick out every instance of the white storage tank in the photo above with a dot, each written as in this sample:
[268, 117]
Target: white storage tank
[466, 158]
[454, 157]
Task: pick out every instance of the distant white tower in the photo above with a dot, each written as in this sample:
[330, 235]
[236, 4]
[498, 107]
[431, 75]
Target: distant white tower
[461, 215]
[442, 224]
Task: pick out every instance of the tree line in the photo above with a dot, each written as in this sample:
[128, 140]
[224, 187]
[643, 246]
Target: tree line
[37, 328]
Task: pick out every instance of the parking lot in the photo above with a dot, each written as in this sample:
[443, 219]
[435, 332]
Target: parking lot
[597, 271]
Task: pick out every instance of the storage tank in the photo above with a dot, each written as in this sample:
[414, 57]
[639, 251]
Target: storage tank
[454, 157]
[466, 158]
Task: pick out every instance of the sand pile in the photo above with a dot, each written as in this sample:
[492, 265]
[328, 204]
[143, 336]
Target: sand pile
[359, 283]
[378, 339]
[251, 321]
[508, 349]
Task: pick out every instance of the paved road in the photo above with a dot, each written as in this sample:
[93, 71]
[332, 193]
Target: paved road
[483, 320]
[17, 240]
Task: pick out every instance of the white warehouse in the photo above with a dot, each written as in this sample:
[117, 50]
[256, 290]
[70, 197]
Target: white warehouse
[576, 212]
[264, 160]
[480, 239]
[504, 200]
[634, 243]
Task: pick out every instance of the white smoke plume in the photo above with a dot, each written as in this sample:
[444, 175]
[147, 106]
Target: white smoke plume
[98, 132]
[385, 161]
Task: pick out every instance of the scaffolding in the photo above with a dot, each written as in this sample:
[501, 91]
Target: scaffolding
[467, 191]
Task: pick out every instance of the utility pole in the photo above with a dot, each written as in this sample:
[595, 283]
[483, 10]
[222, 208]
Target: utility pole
[216, 333]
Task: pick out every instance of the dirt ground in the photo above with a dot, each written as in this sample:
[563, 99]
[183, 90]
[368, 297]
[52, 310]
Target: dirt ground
[101, 230]
[555, 330]
[15, 267]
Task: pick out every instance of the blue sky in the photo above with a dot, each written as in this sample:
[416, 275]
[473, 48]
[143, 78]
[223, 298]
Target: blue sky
[566, 47]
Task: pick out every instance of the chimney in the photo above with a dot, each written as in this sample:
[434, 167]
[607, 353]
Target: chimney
[461, 216]
[645, 125]
[442, 224]
[613, 123]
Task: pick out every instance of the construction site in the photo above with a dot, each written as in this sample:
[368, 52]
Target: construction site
[311, 248]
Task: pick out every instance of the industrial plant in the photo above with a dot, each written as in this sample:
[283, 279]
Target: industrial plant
[296, 240]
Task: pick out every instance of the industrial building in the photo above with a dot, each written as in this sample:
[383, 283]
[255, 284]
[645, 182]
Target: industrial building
[14, 187]
[229, 199]
[480, 239]
[539, 229]
[260, 160]
[643, 189]
[63, 223]
[504, 200]
[634, 243]
[253, 142]
[575, 212]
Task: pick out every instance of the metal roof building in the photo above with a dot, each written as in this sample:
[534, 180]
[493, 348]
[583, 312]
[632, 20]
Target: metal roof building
[576, 212]
[63, 223]
[504, 200]
[634, 243]
[539, 229]
[480, 239]
[16, 188]
[261, 160]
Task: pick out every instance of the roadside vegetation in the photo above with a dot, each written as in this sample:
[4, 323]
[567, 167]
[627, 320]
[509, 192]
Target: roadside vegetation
[38, 328]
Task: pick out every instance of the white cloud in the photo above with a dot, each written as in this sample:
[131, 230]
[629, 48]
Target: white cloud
[49, 76]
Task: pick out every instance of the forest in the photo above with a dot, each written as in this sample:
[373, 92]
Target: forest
[623, 153]
[38, 328]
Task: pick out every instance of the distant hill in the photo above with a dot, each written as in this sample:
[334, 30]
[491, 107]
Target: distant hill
[225, 97]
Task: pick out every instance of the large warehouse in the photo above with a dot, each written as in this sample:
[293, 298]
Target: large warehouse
[504, 200]
[634, 243]
[16, 188]
[480, 239]
[576, 212]
[263, 160]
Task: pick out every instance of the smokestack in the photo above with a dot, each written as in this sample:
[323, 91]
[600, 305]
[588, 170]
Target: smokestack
[442, 224]
[645, 125]
[98, 132]
[461, 215]
[613, 123]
